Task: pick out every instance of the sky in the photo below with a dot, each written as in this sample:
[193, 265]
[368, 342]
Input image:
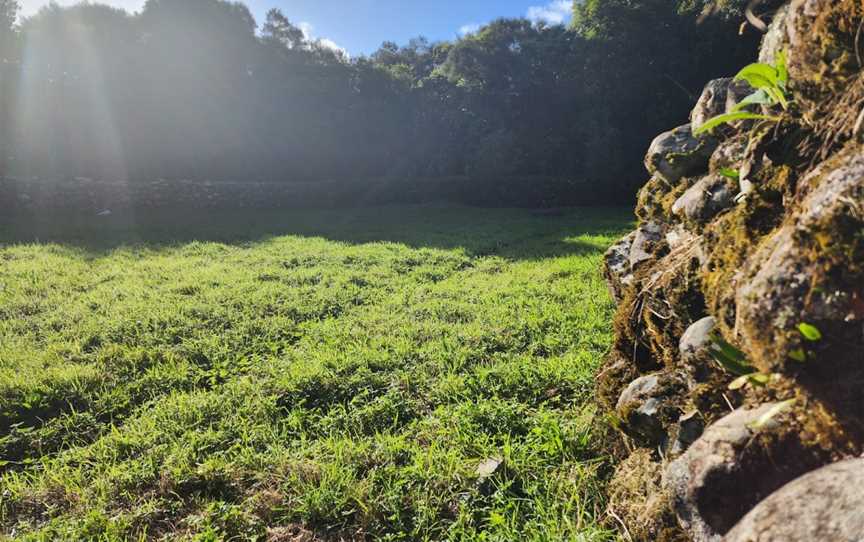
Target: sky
[359, 26]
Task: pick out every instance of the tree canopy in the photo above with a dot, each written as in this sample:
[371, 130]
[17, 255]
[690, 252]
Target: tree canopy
[196, 89]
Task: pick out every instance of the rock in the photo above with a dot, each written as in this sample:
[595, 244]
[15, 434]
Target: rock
[489, 467]
[677, 153]
[647, 243]
[639, 406]
[737, 91]
[710, 484]
[647, 405]
[718, 97]
[689, 428]
[696, 341]
[642, 387]
[810, 270]
[822, 38]
[678, 237]
[616, 267]
[652, 200]
[730, 154]
[827, 504]
[777, 38]
[711, 103]
[704, 200]
[650, 326]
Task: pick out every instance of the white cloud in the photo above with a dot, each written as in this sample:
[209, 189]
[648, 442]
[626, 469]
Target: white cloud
[555, 12]
[470, 28]
[308, 33]
[330, 44]
[31, 7]
[307, 29]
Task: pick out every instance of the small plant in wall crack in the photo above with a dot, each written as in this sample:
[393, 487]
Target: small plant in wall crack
[730, 173]
[729, 357]
[810, 334]
[770, 83]
[733, 360]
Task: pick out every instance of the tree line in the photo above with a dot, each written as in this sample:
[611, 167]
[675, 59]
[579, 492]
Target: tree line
[516, 112]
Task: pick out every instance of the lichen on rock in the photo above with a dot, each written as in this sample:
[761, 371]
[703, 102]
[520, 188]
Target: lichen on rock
[678, 153]
[730, 468]
[705, 199]
[822, 505]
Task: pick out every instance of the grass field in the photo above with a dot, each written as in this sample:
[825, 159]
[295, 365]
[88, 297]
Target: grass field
[351, 375]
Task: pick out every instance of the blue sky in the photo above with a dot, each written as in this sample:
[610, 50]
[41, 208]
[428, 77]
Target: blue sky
[359, 26]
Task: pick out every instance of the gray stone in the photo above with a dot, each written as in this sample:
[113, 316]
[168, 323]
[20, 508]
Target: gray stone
[678, 237]
[718, 97]
[827, 504]
[690, 428]
[638, 408]
[705, 199]
[711, 103]
[776, 39]
[694, 344]
[737, 91]
[639, 389]
[800, 21]
[708, 463]
[730, 154]
[645, 243]
[616, 267]
[783, 284]
[646, 406]
[678, 153]
[489, 467]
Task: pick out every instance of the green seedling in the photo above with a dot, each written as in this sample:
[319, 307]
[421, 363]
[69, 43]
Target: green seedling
[770, 84]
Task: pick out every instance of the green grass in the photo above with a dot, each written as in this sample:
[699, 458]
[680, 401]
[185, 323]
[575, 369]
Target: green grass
[341, 373]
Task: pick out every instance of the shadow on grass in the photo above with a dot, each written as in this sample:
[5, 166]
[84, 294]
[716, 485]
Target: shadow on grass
[515, 234]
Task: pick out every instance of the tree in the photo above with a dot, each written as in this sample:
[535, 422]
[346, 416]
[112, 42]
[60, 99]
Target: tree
[8, 76]
[280, 30]
[187, 89]
[8, 15]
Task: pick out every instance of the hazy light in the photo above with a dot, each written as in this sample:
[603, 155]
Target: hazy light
[60, 61]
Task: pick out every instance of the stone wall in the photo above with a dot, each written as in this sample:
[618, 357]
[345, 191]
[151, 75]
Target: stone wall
[80, 194]
[88, 194]
[736, 385]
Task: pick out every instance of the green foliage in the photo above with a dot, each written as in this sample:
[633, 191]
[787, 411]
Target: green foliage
[810, 332]
[799, 355]
[758, 380]
[729, 357]
[727, 118]
[770, 83]
[730, 173]
[188, 90]
[190, 377]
